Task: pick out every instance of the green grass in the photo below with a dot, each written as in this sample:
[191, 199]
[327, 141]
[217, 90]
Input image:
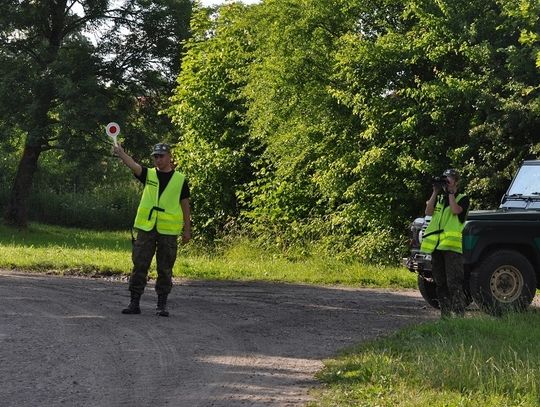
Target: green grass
[64, 250]
[479, 361]
[68, 250]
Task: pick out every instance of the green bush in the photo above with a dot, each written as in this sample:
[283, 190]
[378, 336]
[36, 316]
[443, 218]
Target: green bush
[104, 207]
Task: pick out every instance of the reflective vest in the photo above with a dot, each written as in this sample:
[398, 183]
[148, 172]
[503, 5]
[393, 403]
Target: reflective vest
[444, 231]
[164, 212]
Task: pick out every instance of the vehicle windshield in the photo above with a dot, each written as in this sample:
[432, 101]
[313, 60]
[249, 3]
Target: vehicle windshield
[526, 182]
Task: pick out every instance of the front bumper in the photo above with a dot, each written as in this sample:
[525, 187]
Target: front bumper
[417, 262]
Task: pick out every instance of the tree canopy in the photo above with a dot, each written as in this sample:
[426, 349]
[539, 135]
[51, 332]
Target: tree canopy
[70, 66]
[311, 124]
[350, 107]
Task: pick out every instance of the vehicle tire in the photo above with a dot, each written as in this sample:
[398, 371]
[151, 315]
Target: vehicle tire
[428, 289]
[504, 281]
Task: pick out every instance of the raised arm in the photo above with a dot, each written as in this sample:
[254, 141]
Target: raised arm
[130, 162]
[432, 201]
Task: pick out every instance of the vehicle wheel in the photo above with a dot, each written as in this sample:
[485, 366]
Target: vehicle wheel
[504, 281]
[428, 289]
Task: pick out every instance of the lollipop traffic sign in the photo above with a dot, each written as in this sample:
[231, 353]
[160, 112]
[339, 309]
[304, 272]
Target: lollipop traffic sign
[113, 130]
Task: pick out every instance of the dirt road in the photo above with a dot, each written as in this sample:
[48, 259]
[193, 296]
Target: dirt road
[63, 341]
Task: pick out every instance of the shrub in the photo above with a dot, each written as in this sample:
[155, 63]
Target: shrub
[103, 207]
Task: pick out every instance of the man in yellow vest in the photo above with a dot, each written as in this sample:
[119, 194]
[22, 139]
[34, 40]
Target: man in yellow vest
[443, 240]
[163, 215]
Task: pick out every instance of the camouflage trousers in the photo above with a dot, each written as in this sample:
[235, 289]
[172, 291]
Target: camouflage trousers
[447, 270]
[144, 247]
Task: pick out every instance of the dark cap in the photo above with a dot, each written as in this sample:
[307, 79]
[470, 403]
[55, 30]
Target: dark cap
[161, 148]
[451, 172]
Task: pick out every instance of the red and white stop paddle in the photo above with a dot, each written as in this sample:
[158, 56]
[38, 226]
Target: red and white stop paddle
[113, 130]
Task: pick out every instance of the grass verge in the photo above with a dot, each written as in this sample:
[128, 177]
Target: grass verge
[69, 250]
[470, 362]
[480, 361]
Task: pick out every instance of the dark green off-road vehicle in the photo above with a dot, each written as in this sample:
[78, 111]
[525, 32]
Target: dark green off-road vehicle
[501, 249]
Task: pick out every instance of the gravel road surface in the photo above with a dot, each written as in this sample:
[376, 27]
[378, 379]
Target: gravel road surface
[64, 342]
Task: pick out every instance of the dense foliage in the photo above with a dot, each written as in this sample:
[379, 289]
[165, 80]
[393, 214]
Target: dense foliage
[67, 68]
[312, 125]
[320, 123]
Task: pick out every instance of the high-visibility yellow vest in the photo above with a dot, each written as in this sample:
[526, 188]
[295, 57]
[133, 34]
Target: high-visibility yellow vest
[444, 231]
[164, 212]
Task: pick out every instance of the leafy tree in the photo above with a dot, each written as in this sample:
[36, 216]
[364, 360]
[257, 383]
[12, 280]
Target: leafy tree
[347, 109]
[69, 86]
[311, 187]
[215, 148]
[504, 130]
[443, 88]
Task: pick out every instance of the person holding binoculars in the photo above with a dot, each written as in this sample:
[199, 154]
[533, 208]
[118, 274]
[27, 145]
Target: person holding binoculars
[443, 240]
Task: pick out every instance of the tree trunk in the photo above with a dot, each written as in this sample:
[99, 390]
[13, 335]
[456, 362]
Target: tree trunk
[16, 212]
[39, 132]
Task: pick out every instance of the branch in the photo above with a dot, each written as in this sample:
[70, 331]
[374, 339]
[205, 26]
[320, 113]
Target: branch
[66, 12]
[108, 14]
[17, 47]
[101, 139]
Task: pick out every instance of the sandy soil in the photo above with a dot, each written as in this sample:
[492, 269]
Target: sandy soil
[64, 342]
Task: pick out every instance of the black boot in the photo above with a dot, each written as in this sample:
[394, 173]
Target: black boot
[161, 309]
[133, 307]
